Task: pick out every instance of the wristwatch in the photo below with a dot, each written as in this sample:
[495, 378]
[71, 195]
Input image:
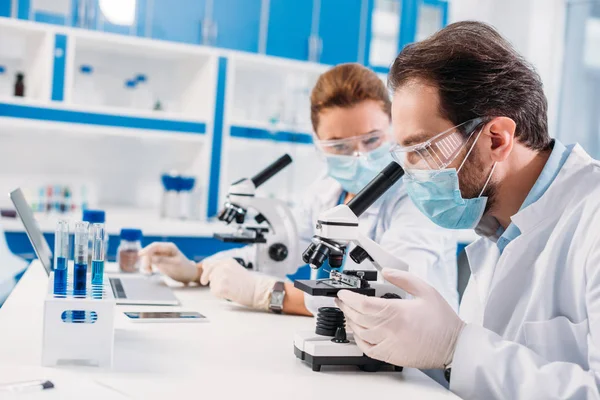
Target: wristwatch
[277, 295]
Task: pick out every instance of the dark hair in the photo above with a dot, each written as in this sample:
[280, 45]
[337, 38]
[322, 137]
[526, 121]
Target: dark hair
[478, 74]
[345, 86]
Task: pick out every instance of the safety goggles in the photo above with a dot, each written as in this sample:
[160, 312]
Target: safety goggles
[438, 152]
[353, 146]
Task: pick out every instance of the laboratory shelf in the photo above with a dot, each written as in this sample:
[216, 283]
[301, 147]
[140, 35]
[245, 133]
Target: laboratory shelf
[140, 75]
[274, 134]
[61, 113]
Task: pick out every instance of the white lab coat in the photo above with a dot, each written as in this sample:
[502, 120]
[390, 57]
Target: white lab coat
[394, 222]
[533, 313]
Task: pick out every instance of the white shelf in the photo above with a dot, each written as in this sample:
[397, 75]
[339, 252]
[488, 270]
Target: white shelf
[117, 218]
[266, 126]
[181, 78]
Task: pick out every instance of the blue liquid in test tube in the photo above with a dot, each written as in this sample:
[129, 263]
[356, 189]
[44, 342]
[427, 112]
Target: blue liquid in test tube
[61, 257]
[98, 252]
[81, 258]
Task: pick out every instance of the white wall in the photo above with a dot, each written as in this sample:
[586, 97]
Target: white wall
[535, 27]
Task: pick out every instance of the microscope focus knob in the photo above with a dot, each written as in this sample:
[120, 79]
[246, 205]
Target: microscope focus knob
[358, 255]
[260, 219]
[278, 252]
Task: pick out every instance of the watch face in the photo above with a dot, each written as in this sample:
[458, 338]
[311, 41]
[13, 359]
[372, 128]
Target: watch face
[277, 298]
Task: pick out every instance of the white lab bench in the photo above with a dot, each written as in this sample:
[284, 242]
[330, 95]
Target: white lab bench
[238, 354]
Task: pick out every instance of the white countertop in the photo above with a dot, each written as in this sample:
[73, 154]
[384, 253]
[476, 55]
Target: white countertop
[238, 354]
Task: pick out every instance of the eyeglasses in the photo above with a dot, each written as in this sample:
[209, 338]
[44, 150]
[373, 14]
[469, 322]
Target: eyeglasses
[439, 151]
[353, 146]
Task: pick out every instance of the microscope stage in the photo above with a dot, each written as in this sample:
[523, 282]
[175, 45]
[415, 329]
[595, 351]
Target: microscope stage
[328, 288]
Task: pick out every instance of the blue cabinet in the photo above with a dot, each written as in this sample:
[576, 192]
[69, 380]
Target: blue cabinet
[5, 8]
[340, 24]
[179, 21]
[289, 28]
[237, 24]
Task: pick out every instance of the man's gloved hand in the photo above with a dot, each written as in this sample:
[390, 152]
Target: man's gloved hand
[169, 260]
[419, 332]
[229, 280]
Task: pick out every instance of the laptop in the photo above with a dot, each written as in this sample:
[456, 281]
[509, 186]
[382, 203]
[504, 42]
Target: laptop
[128, 289]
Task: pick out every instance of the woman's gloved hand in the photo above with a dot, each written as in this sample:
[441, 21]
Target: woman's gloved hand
[170, 261]
[229, 280]
[419, 333]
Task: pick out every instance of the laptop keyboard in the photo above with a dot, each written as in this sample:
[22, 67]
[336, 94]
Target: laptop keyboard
[117, 288]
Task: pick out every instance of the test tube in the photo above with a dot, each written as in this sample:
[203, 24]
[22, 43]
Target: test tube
[80, 255]
[61, 257]
[98, 251]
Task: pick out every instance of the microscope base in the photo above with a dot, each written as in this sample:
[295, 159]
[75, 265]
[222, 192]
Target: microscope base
[317, 351]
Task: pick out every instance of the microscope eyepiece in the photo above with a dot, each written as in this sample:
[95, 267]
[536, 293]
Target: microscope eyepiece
[271, 170]
[376, 188]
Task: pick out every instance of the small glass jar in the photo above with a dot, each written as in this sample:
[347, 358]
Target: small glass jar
[127, 253]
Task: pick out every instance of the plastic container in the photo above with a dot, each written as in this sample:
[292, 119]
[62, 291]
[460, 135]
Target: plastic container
[85, 89]
[127, 253]
[186, 187]
[170, 204]
[143, 98]
[128, 93]
[94, 217]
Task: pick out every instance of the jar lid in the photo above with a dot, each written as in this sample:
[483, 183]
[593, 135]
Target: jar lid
[186, 183]
[94, 216]
[170, 182]
[131, 234]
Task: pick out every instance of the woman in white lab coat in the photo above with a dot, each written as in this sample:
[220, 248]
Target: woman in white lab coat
[350, 113]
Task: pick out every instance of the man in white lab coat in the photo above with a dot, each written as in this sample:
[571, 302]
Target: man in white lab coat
[469, 115]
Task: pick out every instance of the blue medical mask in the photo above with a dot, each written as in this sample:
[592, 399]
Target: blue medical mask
[354, 173]
[436, 194]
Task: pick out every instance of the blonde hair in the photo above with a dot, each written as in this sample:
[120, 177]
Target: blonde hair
[345, 86]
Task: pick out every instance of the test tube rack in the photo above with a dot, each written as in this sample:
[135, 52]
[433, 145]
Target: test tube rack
[78, 330]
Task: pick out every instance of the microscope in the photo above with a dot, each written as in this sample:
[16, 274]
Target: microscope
[335, 230]
[273, 229]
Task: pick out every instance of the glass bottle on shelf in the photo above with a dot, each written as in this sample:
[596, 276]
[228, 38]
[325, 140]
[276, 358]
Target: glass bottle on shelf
[20, 85]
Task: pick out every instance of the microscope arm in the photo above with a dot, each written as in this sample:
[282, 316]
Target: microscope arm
[274, 211]
[380, 257]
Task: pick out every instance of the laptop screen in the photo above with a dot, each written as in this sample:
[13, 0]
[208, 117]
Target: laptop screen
[42, 250]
